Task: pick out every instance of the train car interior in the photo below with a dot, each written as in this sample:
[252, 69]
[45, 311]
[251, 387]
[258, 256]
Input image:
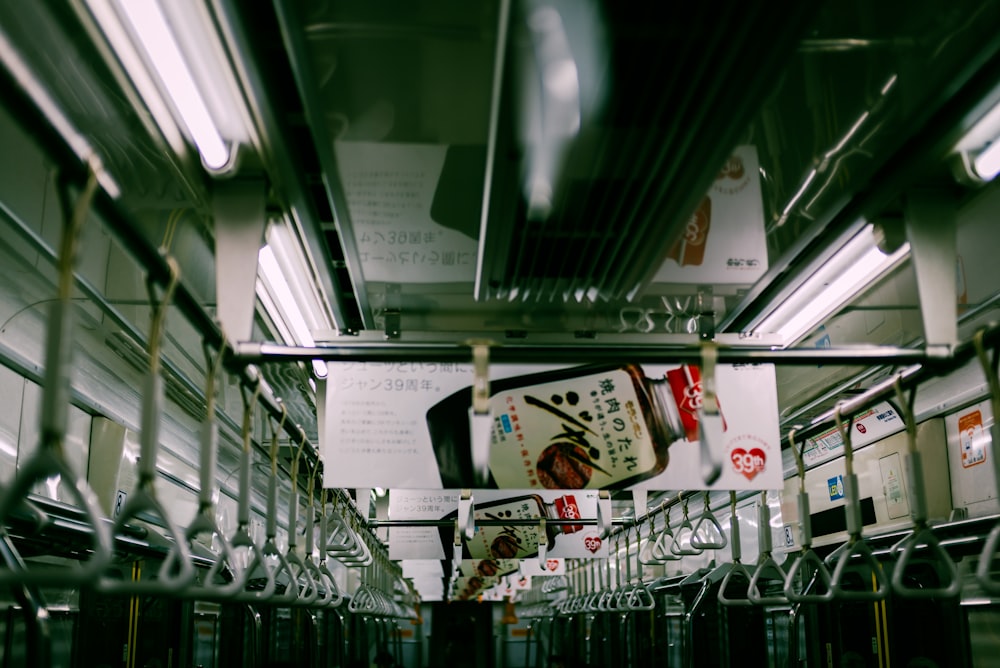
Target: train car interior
[504, 333]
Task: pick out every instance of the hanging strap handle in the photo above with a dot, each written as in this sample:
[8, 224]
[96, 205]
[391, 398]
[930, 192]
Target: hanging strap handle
[766, 565]
[707, 533]
[855, 548]
[205, 521]
[684, 533]
[176, 573]
[984, 571]
[49, 460]
[807, 561]
[736, 568]
[921, 540]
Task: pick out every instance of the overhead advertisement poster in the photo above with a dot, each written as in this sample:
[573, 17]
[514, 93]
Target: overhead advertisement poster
[495, 545]
[724, 241]
[406, 426]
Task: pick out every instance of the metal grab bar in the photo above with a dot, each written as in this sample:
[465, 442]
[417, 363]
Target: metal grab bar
[855, 547]
[736, 567]
[307, 592]
[807, 559]
[177, 572]
[765, 563]
[705, 524]
[684, 533]
[49, 459]
[205, 521]
[983, 570]
[921, 539]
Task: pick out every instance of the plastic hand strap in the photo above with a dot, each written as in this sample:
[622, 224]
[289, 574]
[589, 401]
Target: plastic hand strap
[707, 533]
[661, 552]
[684, 533]
[736, 571]
[710, 423]
[48, 460]
[205, 521]
[307, 590]
[989, 366]
[858, 550]
[806, 563]
[362, 556]
[924, 541]
[176, 573]
[276, 562]
[735, 542]
[984, 570]
[331, 593]
[766, 566]
[639, 599]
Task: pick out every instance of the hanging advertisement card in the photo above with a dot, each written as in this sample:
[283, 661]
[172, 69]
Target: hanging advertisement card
[622, 426]
[724, 241]
[497, 542]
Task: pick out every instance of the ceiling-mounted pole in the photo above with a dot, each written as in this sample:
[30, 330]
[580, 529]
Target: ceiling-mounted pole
[930, 228]
[238, 206]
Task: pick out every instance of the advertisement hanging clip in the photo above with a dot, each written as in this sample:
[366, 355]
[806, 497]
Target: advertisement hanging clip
[466, 518]
[604, 513]
[710, 423]
[480, 415]
[543, 543]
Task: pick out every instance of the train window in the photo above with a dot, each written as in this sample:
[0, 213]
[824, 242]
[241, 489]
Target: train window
[205, 640]
[984, 635]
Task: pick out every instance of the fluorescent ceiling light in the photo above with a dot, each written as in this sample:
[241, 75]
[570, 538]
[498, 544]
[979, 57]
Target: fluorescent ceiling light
[987, 163]
[150, 25]
[848, 273]
[979, 149]
[292, 302]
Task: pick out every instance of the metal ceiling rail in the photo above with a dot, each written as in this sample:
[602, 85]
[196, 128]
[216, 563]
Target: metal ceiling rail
[32, 118]
[909, 377]
[512, 522]
[933, 137]
[252, 353]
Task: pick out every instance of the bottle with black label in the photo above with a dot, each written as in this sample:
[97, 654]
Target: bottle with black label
[589, 427]
[514, 541]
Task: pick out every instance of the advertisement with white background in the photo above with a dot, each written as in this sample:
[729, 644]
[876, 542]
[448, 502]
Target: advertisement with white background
[503, 542]
[405, 425]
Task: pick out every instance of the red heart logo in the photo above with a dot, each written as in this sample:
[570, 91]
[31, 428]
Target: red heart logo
[592, 543]
[552, 564]
[748, 463]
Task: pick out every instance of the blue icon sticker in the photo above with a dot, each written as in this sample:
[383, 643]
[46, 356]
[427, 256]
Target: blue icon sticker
[836, 487]
[505, 422]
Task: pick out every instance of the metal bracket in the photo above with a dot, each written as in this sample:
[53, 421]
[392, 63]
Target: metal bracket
[238, 206]
[930, 229]
[392, 315]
